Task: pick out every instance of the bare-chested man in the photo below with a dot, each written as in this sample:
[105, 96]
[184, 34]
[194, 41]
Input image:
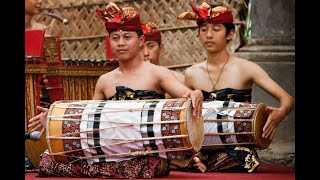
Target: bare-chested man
[229, 78]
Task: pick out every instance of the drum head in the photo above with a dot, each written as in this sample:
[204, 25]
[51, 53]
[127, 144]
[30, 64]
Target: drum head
[195, 129]
[261, 116]
[55, 128]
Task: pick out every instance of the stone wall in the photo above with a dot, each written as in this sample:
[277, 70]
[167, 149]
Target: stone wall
[272, 46]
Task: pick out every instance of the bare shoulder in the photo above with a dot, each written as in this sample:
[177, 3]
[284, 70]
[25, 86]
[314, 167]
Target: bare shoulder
[194, 68]
[197, 66]
[178, 75]
[243, 63]
[157, 69]
[108, 75]
[37, 25]
[247, 68]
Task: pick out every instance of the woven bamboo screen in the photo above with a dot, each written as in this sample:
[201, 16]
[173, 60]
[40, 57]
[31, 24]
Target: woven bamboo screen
[84, 36]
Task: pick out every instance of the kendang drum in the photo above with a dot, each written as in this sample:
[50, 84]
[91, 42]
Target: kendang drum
[234, 123]
[104, 131]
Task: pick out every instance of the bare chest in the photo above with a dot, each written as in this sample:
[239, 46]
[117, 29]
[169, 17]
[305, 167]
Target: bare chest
[228, 79]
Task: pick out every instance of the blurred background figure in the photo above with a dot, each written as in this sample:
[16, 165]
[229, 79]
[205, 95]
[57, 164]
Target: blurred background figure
[153, 48]
[32, 8]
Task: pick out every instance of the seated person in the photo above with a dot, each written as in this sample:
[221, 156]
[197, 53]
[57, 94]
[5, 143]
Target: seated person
[216, 78]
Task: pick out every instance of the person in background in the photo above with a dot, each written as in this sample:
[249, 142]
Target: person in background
[32, 8]
[153, 47]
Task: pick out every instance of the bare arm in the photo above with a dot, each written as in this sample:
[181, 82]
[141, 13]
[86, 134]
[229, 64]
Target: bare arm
[179, 76]
[276, 114]
[176, 89]
[98, 91]
[188, 78]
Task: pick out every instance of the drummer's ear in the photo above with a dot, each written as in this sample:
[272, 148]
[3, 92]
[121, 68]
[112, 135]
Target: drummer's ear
[141, 41]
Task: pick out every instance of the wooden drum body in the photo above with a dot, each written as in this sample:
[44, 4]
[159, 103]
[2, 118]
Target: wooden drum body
[105, 131]
[234, 123]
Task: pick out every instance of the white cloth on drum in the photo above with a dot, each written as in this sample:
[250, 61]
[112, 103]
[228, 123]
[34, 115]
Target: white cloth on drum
[211, 110]
[115, 130]
[154, 129]
[83, 127]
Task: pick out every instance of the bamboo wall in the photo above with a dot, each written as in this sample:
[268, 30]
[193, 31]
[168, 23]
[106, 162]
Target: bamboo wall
[84, 36]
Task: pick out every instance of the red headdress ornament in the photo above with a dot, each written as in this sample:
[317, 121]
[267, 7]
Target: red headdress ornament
[151, 32]
[115, 18]
[204, 13]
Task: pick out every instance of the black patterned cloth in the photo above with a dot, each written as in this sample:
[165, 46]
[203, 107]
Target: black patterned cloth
[228, 94]
[125, 93]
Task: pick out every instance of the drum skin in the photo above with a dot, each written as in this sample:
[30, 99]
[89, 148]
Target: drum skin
[260, 117]
[54, 128]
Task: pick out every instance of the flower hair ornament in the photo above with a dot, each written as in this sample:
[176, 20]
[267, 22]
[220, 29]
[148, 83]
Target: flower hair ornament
[205, 13]
[119, 19]
[151, 32]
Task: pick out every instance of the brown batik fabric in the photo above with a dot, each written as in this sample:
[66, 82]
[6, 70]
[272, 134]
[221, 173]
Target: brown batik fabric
[140, 167]
[172, 129]
[72, 129]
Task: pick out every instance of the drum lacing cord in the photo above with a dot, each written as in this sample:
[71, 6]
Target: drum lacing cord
[150, 151]
[139, 152]
[130, 153]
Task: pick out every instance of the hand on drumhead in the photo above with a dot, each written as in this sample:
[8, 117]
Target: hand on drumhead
[39, 121]
[197, 100]
[276, 115]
